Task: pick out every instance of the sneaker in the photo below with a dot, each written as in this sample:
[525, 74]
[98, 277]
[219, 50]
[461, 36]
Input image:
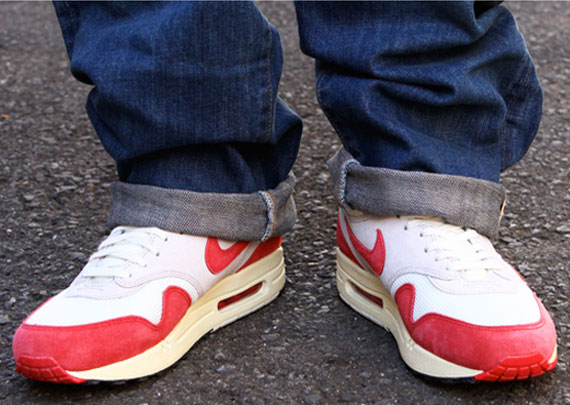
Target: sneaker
[141, 302]
[454, 306]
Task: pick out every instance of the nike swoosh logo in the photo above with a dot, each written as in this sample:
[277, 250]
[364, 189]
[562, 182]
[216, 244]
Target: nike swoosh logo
[375, 257]
[218, 259]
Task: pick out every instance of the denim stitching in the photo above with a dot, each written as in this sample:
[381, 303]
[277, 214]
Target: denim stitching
[525, 76]
[319, 99]
[270, 203]
[70, 29]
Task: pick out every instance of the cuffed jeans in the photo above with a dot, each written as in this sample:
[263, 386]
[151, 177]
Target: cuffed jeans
[431, 102]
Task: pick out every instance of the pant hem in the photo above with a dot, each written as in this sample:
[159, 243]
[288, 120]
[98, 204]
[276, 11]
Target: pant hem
[462, 201]
[254, 216]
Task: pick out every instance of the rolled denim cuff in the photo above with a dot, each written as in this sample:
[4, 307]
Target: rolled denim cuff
[462, 201]
[254, 216]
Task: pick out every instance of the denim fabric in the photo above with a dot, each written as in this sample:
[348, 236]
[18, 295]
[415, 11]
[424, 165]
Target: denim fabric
[439, 87]
[185, 93]
[463, 201]
[185, 97]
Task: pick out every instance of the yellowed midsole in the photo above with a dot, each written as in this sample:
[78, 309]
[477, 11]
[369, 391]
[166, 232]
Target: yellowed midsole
[388, 316]
[203, 316]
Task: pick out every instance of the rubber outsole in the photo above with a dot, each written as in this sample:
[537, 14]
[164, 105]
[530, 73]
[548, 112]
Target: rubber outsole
[45, 369]
[364, 293]
[519, 368]
[239, 294]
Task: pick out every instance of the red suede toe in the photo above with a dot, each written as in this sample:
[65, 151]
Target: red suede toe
[84, 347]
[482, 347]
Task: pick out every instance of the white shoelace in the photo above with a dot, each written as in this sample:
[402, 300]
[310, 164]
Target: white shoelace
[125, 245]
[465, 250]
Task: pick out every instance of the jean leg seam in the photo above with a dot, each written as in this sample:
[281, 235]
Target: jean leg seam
[319, 99]
[341, 192]
[269, 89]
[521, 83]
[72, 26]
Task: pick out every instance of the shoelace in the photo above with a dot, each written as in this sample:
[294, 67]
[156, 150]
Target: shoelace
[123, 245]
[465, 250]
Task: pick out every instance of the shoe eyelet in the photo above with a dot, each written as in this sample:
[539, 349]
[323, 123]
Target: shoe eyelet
[157, 254]
[166, 239]
[425, 250]
[421, 235]
[405, 227]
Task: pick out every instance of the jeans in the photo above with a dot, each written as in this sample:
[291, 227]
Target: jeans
[430, 100]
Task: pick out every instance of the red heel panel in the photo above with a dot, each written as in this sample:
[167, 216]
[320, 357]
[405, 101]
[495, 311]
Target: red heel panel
[341, 241]
[264, 249]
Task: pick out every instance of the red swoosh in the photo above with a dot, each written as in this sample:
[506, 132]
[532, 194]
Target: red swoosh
[376, 256]
[218, 259]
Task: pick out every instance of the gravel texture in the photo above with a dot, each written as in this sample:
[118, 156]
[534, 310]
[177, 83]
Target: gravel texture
[307, 346]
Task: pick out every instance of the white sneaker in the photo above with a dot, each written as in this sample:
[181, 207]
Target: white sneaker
[454, 306]
[141, 302]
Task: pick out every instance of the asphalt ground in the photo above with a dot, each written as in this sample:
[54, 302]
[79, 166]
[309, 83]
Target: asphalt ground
[307, 346]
